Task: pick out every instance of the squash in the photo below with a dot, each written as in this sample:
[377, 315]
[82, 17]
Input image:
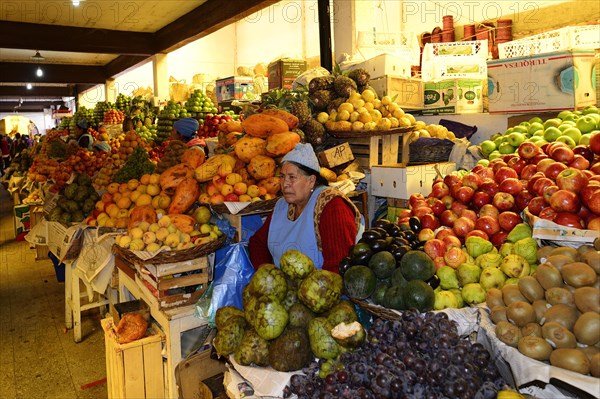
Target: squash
[249, 147]
[210, 168]
[280, 144]
[186, 194]
[290, 119]
[173, 176]
[184, 223]
[142, 213]
[262, 125]
[271, 184]
[261, 167]
[193, 157]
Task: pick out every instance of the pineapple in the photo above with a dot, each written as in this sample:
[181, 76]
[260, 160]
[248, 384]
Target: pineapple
[314, 132]
[344, 86]
[360, 76]
[320, 83]
[301, 110]
[322, 98]
[333, 105]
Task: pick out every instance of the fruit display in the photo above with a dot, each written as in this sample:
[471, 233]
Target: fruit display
[363, 111]
[554, 315]
[171, 154]
[123, 102]
[209, 125]
[419, 355]
[423, 130]
[388, 267]
[65, 122]
[136, 164]
[148, 133]
[288, 317]
[199, 105]
[167, 233]
[166, 117]
[572, 128]
[80, 114]
[113, 116]
[77, 202]
[99, 110]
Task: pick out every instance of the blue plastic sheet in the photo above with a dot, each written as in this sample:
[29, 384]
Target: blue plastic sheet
[233, 272]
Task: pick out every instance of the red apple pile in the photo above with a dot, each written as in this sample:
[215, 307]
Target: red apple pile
[553, 182]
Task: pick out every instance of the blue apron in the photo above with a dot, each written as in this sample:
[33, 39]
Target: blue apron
[296, 234]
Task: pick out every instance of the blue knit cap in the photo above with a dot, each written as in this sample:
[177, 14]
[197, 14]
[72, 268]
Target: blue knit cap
[304, 155]
[82, 124]
[187, 127]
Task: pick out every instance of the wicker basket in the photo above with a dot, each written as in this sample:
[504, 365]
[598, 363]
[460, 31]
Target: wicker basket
[164, 257]
[378, 311]
[254, 207]
[430, 150]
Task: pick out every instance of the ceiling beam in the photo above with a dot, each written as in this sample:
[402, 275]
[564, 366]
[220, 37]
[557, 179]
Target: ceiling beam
[16, 72]
[122, 64]
[23, 35]
[204, 20]
[37, 91]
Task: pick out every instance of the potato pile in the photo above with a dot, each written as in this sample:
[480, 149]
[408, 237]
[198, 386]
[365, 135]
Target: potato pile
[554, 314]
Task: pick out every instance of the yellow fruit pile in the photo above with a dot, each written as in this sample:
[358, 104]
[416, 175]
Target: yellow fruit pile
[164, 235]
[364, 111]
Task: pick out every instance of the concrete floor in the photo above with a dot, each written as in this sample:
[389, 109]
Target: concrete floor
[38, 357]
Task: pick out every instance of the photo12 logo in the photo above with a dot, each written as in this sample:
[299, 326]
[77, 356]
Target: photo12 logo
[290, 12]
[469, 11]
[71, 12]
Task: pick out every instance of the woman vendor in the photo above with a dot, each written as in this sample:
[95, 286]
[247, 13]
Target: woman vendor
[185, 130]
[84, 139]
[319, 221]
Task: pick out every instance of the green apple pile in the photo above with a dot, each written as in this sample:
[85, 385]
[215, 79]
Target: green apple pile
[199, 104]
[470, 272]
[570, 127]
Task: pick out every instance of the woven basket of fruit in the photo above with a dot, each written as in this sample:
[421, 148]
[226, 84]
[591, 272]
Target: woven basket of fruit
[175, 256]
[430, 150]
[339, 134]
[262, 206]
[378, 311]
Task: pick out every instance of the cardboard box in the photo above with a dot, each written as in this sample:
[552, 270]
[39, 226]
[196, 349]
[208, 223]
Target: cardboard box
[546, 82]
[440, 97]
[470, 94]
[22, 219]
[283, 72]
[134, 370]
[235, 88]
[336, 156]
[386, 64]
[407, 93]
[401, 180]
[455, 60]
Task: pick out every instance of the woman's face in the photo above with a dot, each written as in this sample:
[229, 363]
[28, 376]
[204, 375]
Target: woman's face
[295, 185]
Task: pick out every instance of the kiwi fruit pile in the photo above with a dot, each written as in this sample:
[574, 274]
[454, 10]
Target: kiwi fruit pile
[554, 314]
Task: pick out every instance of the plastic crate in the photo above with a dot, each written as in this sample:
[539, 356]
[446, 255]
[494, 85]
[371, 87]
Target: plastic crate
[568, 38]
[455, 60]
[403, 44]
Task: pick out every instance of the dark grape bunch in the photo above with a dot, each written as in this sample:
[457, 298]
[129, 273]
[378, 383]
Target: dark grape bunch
[420, 356]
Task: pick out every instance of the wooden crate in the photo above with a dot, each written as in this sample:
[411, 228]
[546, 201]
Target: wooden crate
[379, 149]
[134, 370]
[175, 284]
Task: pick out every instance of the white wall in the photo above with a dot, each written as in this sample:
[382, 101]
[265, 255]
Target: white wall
[42, 121]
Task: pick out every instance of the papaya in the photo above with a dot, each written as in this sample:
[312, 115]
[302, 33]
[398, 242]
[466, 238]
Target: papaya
[184, 223]
[261, 167]
[173, 176]
[262, 125]
[249, 147]
[210, 167]
[193, 157]
[142, 213]
[280, 144]
[290, 119]
[271, 184]
[185, 195]
[230, 127]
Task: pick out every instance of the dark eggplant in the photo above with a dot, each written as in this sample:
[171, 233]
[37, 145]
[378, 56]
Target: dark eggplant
[370, 235]
[378, 245]
[415, 224]
[344, 264]
[404, 226]
[433, 282]
[401, 241]
[399, 252]
[410, 235]
[361, 259]
[382, 232]
[394, 231]
[383, 223]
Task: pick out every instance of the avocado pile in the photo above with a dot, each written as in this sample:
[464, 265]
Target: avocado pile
[389, 268]
[79, 200]
[288, 317]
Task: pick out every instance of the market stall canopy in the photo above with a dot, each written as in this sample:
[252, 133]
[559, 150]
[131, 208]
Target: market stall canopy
[86, 44]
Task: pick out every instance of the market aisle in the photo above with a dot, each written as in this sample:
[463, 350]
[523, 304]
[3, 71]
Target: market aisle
[37, 357]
